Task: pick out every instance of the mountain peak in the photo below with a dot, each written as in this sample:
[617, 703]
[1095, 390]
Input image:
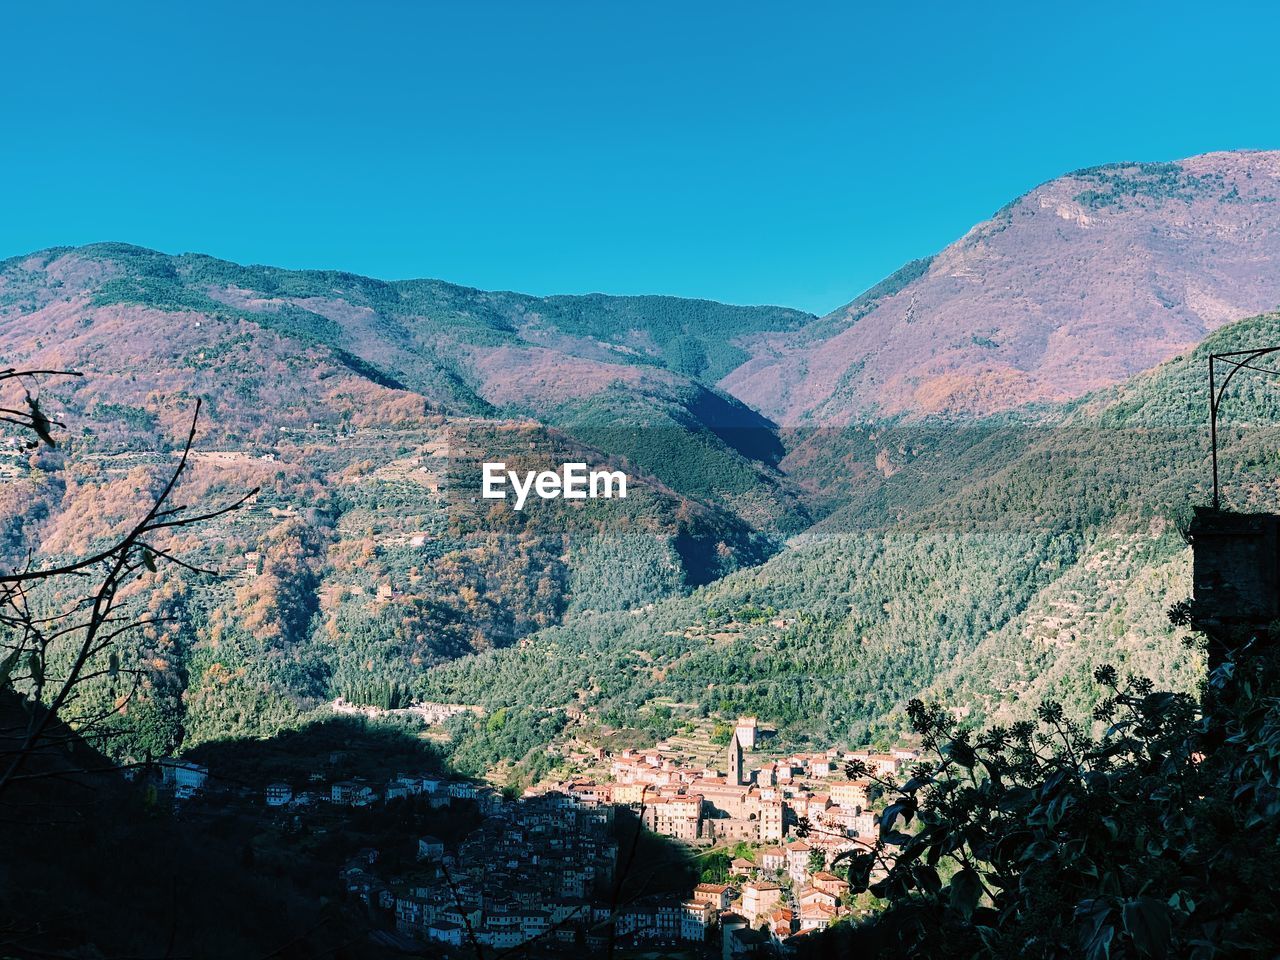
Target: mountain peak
[1077, 284]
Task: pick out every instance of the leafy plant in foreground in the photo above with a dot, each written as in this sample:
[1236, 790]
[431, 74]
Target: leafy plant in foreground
[1158, 837]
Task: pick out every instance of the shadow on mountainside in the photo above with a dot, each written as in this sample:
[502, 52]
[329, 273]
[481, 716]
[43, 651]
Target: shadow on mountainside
[101, 865]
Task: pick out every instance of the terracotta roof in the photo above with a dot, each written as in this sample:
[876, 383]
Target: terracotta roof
[817, 910]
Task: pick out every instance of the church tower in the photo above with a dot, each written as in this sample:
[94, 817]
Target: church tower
[735, 760]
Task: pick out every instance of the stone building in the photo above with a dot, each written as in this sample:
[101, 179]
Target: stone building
[736, 772]
[1235, 576]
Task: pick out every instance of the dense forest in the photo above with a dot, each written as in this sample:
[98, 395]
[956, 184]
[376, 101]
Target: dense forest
[994, 565]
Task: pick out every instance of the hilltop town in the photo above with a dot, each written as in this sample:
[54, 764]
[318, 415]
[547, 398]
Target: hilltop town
[789, 820]
[529, 872]
[555, 870]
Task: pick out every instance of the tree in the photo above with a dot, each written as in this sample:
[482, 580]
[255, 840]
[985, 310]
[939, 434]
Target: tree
[715, 867]
[1160, 837]
[61, 621]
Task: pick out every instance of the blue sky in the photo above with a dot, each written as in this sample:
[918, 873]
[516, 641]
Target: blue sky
[780, 153]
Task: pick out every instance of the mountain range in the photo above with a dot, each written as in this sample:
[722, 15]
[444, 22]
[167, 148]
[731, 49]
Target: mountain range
[1076, 285]
[966, 482]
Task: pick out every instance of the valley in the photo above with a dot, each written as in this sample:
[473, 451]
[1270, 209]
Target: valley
[958, 486]
[639, 481]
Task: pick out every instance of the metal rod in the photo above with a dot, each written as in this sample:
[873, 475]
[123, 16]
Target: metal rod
[1240, 353]
[1217, 393]
[1213, 429]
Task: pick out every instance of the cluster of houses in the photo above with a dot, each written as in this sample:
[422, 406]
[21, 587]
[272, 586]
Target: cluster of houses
[788, 889]
[764, 805]
[529, 872]
[758, 911]
[540, 871]
[438, 791]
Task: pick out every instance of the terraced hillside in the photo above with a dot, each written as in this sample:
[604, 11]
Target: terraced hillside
[997, 566]
[363, 411]
[946, 506]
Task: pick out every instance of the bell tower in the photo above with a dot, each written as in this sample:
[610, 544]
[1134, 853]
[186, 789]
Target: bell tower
[735, 760]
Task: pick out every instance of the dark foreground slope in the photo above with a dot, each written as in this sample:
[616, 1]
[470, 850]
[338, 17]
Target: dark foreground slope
[95, 865]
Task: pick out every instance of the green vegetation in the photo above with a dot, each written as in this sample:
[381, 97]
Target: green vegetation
[714, 867]
[709, 448]
[1156, 839]
[1117, 183]
[622, 572]
[516, 733]
[693, 337]
[995, 567]
[690, 337]
[865, 302]
[839, 654]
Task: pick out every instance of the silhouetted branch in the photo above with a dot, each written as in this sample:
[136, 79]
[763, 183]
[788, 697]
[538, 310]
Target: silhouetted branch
[95, 622]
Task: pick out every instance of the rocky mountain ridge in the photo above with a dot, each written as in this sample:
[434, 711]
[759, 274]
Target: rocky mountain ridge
[1076, 285]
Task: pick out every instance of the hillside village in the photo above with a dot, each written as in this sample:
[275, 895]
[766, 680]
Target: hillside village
[530, 871]
[547, 870]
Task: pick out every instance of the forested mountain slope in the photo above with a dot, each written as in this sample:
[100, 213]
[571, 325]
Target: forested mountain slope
[998, 564]
[939, 542]
[363, 409]
[275, 349]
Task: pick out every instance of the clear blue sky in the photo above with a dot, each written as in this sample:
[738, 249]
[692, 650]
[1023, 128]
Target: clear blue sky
[739, 151]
